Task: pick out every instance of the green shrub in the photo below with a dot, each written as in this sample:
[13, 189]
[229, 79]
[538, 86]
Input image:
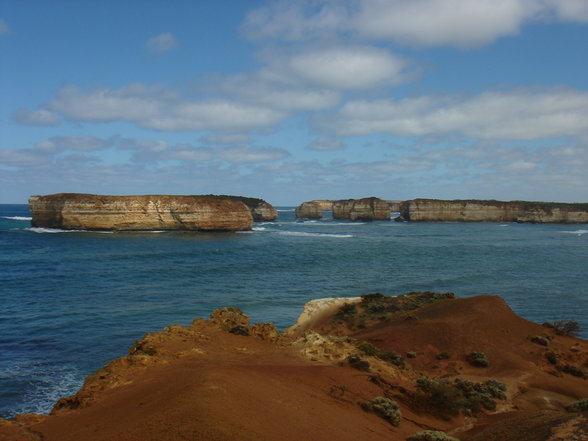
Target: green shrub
[385, 408]
[431, 435]
[411, 354]
[450, 399]
[551, 357]
[356, 362]
[540, 340]
[443, 356]
[477, 359]
[565, 327]
[578, 406]
[389, 356]
[573, 370]
[346, 312]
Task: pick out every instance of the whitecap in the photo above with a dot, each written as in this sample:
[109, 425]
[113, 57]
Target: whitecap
[577, 232]
[285, 211]
[17, 218]
[303, 234]
[258, 228]
[58, 230]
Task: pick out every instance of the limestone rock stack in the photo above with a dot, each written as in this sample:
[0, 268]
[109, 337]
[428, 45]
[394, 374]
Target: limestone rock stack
[309, 210]
[260, 209]
[366, 209]
[74, 211]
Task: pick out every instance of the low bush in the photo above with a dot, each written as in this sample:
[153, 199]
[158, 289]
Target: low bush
[443, 356]
[565, 327]
[356, 362]
[573, 370]
[540, 340]
[551, 357]
[578, 406]
[385, 408]
[460, 396]
[346, 312]
[478, 359]
[431, 435]
[389, 356]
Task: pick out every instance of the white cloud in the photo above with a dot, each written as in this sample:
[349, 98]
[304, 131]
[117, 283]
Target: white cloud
[154, 107]
[461, 23]
[357, 67]
[244, 155]
[161, 44]
[76, 143]
[229, 138]
[517, 115]
[4, 29]
[326, 144]
[36, 117]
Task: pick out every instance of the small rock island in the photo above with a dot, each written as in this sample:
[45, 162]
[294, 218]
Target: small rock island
[76, 211]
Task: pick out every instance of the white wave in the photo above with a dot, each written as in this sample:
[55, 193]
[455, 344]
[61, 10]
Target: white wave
[58, 230]
[18, 218]
[285, 211]
[302, 234]
[504, 225]
[577, 232]
[329, 224]
[258, 228]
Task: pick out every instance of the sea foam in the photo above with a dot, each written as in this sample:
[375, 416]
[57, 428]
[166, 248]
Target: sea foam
[302, 234]
[17, 218]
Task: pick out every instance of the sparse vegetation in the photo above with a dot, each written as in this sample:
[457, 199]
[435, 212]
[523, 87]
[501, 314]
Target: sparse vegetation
[385, 408]
[448, 399]
[239, 330]
[443, 356]
[478, 359]
[573, 370]
[578, 406]
[356, 362]
[411, 354]
[551, 357]
[431, 435]
[346, 313]
[565, 327]
[389, 356]
[540, 340]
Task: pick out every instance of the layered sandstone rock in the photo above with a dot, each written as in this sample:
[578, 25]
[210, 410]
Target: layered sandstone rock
[309, 210]
[434, 210]
[325, 204]
[73, 211]
[366, 209]
[260, 209]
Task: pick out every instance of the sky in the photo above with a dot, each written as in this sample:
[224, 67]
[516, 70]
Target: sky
[295, 100]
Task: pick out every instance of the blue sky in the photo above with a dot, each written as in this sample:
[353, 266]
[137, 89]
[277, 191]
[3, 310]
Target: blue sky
[292, 101]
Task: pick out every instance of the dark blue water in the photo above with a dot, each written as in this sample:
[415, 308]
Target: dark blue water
[71, 301]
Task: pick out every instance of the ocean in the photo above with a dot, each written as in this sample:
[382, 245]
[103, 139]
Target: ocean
[72, 301]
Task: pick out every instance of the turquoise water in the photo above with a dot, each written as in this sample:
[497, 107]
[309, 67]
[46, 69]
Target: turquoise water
[71, 301]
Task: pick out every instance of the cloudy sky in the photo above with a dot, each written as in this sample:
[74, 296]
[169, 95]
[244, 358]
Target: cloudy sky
[295, 100]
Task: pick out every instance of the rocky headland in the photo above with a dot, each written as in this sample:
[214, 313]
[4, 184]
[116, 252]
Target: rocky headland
[74, 211]
[421, 366]
[435, 210]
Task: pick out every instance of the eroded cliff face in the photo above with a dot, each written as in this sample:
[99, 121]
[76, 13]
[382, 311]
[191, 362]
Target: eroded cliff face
[261, 210]
[435, 210]
[309, 210]
[366, 209]
[73, 211]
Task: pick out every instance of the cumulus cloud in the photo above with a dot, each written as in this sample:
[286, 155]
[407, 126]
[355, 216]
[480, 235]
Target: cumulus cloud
[154, 107]
[36, 117]
[326, 144]
[4, 29]
[74, 143]
[461, 23]
[516, 114]
[245, 155]
[348, 67]
[161, 44]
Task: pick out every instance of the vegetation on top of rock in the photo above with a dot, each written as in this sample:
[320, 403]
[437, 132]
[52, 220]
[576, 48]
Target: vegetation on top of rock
[356, 362]
[478, 359]
[431, 435]
[565, 327]
[573, 370]
[389, 356]
[385, 408]
[448, 399]
[379, 307]
[578, 406]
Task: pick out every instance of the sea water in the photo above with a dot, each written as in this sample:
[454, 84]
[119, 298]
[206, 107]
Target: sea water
[72, 301]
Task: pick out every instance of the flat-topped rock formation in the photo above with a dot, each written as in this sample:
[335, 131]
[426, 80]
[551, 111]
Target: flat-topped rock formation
[366, 209]
[223, 379]
[435, 210]
[74, 211]
[309, 210]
